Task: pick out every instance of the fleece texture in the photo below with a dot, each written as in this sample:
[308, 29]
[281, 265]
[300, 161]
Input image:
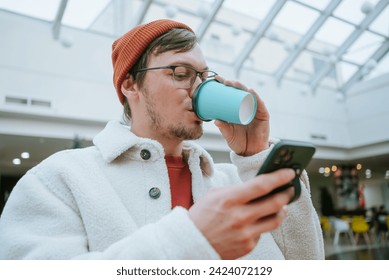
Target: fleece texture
[94, 203]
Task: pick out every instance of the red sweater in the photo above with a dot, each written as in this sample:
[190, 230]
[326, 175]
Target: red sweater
[180, 181]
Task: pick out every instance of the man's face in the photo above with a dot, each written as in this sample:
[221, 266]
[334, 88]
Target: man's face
[167, 110]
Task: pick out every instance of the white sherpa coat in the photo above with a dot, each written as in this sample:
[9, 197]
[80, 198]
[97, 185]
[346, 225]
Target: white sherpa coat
[94, 203]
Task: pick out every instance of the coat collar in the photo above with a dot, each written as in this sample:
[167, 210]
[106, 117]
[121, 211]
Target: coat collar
[116, 138]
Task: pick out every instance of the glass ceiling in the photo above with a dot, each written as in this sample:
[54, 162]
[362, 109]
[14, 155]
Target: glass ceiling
[323, 43]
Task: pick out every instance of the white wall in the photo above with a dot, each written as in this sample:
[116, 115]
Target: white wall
[76, 80]
[368, 111]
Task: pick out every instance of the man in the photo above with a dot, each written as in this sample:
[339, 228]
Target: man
[143, 192]
[382, 224]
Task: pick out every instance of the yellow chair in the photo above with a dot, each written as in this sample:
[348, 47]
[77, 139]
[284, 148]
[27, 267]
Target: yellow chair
[345, 218]
[360, 226]
[387, 220]
[325, 226]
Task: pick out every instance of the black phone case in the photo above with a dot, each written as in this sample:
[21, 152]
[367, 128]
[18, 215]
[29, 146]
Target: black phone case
[289, 154]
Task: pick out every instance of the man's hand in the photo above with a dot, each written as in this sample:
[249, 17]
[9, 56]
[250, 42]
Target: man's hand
[232, 222]
[246, 140]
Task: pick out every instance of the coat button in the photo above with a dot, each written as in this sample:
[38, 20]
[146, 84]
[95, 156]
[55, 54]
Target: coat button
[145, 154]
[154, 193]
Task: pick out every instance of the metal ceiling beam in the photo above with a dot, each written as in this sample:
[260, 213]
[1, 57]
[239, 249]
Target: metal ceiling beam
[287, 63]
[210, 17]
[261, 30]
[58, 19]
[377, 56]
[348, 42]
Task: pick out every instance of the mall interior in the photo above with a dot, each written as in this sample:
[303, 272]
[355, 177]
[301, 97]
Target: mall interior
[321, 67]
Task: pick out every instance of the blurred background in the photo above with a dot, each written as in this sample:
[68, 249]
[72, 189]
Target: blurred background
[322, 68]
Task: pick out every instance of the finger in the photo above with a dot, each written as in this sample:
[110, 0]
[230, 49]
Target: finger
[287, 188]
[266, 224]
[261, 185]
[268, 206]
[262, 112]
[261, 210]
[236, 84]
[220, 79]
[231, 135]
[221, 124]
[224, 127]
[271, 222]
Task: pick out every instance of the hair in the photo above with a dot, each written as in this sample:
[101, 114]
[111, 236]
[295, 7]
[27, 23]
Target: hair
[180, 40]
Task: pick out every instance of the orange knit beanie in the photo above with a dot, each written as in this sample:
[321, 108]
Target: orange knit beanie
[128, 49]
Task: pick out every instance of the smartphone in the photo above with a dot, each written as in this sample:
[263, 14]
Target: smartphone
[289, 154]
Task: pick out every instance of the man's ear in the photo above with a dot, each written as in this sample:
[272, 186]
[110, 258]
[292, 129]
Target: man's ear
[129, 88]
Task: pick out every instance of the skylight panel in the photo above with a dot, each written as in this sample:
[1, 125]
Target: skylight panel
[257, 9]
[363, 48]
[346, 70]
[42, 9]
[296, 17]
[352, 11]
[381, 23]
[334, 32]
[81, 14]
[318, 4]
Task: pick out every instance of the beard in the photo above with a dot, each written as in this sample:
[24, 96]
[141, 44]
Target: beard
[184, 133]
[176, 130]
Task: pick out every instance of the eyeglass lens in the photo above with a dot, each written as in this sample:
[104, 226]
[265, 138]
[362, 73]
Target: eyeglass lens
[185, 77]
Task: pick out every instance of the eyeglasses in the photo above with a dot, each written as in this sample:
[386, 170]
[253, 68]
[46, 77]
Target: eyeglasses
[184, 76]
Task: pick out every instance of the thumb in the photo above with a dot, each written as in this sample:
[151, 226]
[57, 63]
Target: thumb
[224, 127]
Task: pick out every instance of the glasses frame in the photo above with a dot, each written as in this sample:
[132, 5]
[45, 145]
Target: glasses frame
[173, 67]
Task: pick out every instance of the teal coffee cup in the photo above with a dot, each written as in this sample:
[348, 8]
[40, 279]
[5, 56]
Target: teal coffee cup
[213, 100]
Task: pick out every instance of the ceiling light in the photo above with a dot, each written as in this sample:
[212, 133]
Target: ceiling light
[321, 170]
[288, 46]
[236, 29]
[327, 171]
[67, 41]
[272, 35]
[359, 166]
[25, 155]
[16, 161]
[368, 173]
[367, 7]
